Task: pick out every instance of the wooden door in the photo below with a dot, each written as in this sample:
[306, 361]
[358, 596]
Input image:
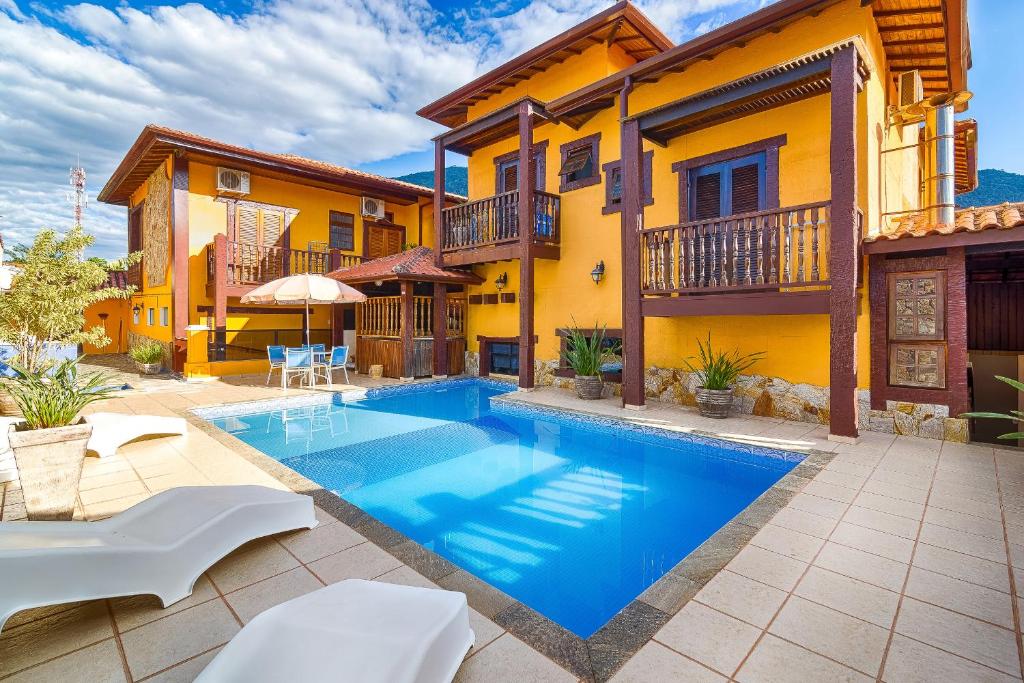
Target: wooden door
[383, 241]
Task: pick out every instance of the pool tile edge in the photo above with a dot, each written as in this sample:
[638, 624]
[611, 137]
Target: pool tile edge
[600, 656]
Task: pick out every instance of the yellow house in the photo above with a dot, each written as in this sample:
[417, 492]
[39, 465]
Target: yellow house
[214, 221]
[784, 184]
[735, 185]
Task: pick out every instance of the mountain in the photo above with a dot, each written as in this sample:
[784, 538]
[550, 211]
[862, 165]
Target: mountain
[456, 179]
[994, 187]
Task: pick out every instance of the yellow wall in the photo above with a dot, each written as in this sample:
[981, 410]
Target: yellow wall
[797, 346]
[118, 312]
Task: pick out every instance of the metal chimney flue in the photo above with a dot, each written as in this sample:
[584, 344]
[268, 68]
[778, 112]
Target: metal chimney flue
[938, 146]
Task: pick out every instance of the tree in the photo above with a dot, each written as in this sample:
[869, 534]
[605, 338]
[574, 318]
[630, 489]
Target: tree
[48, 297]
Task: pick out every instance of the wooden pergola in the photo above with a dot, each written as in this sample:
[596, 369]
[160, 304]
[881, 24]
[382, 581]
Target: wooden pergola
[409, 334]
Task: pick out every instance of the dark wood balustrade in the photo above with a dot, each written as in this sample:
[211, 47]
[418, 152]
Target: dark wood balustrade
[778, 249]
[255, 264]
[381, 316]
[495, 220]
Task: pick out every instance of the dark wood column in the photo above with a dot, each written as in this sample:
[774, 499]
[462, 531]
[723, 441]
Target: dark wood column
[179, 245]
[526, 220]
[408, 323]
[843, 247]
[220, 296]
[633, 394]
[440, 329]
[439, 192]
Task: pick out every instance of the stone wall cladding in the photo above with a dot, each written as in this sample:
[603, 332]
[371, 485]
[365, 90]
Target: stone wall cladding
[136, 338]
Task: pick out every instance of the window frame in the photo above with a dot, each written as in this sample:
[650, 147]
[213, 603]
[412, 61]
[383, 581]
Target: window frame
[770, 148]
[594, 142]
[648, 183]
[165, 316]
[538, 151]
[331, 214]
[724, 170]
[150, 316]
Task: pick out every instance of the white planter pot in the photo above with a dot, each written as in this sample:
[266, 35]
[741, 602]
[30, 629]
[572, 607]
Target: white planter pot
[50, 466]
[149, 368]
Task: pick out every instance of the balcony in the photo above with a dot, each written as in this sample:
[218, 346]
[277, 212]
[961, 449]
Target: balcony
[487, 229]
[247, 265]
[773, 261]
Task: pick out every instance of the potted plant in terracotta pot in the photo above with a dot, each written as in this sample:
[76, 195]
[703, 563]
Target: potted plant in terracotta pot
[49, 446]
[148, 356]
[716, 372]
[585, 355]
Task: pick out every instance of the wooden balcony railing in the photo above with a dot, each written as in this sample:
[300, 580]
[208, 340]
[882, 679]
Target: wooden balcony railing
[254, 264]
[777, 249]
[381, 316]
[495, 220]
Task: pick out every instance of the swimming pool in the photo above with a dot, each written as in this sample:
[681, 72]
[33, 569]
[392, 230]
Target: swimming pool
[573, 516]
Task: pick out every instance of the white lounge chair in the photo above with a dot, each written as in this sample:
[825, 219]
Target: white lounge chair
[355, 631]
[110, 431]
[159, 546]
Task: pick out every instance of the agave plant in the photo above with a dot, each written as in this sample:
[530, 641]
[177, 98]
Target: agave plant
[718, 370]
[586, 354]
[1014, 415]
[55, 398]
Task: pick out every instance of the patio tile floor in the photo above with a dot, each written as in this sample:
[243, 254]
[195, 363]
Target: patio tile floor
[900, 561]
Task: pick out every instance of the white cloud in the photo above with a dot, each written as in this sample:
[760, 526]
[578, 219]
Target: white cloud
[334, 80]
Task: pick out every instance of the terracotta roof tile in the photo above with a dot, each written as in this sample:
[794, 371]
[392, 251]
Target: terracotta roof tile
[414, 264]
[999, 217]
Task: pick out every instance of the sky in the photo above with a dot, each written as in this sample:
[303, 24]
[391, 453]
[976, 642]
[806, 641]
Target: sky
[337, 80]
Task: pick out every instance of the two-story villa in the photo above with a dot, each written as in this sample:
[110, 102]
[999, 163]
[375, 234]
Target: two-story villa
[785, 183]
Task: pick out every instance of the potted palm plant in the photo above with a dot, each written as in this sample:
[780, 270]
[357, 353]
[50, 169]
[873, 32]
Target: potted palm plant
[585, 355]
[49, 446]
[716, 372]
[148, 355]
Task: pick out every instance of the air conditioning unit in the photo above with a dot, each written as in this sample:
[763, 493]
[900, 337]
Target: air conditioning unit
[373, 207]
[232, 181]
[910, 88]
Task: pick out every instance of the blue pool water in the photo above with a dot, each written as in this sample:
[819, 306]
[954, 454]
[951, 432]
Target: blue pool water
[572, 517]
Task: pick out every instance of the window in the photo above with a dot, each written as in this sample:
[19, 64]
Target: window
[504, 358]
[150, 317]
[613, 183]
[506, 169]
[164, 316]
[135, 315]
[727, 188]
[258, 225]
[611, 370]
[383, 241]
[579, 163]
[342, 231]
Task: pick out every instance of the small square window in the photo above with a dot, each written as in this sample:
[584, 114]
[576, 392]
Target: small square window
[164, 316]
[150, 316]
[579, 163]
[614, 183]
[136, 312]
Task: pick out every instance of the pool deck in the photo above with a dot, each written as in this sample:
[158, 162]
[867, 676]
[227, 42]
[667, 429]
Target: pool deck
[894, 559]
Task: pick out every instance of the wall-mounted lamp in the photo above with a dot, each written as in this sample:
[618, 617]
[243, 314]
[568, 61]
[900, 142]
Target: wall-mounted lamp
[501, 281]
[598, 272]
[378, 283]
[136, 309]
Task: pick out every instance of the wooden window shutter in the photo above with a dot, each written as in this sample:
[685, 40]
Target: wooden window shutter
[247, 224]
[393, 243]
[510, 177]
[375, 238]
[578, 164]
[273, 227]
[707, 196]
[746, 189]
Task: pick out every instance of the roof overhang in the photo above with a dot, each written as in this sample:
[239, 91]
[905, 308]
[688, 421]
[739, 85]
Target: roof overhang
[621, 24]
[965, 155]
[949, 21]
[490, 128]
[1002, 224]
[798, 79]
[155, 144]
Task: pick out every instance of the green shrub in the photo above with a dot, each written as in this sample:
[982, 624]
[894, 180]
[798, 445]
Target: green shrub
[719, 369]
[585, 355]
[147, 351]
[1014, 415]
[55, 398]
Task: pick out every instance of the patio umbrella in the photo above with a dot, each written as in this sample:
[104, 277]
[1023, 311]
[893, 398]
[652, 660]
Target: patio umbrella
[303, 289]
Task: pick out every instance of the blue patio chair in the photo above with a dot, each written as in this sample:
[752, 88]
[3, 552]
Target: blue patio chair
[275, 354]
[338, 360]
[318, 347]
[297, 362]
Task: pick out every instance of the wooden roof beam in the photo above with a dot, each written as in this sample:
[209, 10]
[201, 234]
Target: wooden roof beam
[906, 11]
